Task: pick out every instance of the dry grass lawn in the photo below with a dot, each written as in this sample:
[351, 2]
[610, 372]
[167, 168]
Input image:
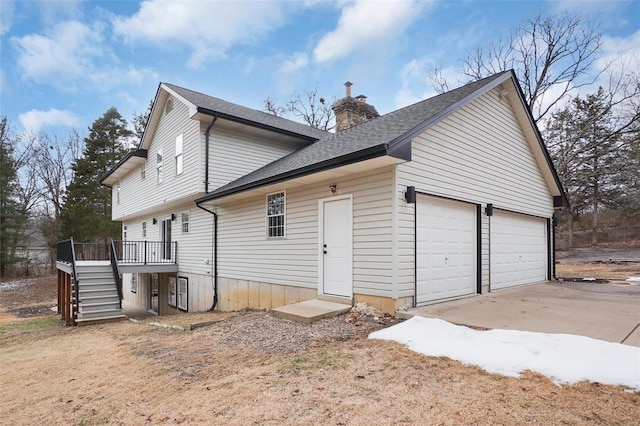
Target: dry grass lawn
[607, 271]
[136, 374]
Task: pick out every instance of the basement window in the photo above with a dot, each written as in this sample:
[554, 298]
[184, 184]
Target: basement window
[134, 283]
[172, 292]
[276, 215]
[183, 293]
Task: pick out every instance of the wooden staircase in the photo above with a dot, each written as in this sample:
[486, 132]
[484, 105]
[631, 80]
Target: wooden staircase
[98, 295]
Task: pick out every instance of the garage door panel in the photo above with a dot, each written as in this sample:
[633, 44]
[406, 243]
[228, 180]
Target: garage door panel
[445, 249]
[518, 249]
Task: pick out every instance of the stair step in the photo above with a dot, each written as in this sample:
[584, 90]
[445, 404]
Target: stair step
[99, 313]
[110, 304]
[93, 299]
[90, 321]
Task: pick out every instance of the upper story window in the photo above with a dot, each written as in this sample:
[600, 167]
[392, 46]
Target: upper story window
[276, 215]
[179, 155]
[124, 233]
[143, 171]
[185, 222]
[159, 166]
[144, 229]
[168, 107]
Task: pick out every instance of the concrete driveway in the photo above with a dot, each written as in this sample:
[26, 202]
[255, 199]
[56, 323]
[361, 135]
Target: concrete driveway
[608, 312]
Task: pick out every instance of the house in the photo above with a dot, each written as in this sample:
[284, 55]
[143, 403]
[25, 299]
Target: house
[445, 198]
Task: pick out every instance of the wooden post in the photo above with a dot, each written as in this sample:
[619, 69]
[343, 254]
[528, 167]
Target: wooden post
[59, 309]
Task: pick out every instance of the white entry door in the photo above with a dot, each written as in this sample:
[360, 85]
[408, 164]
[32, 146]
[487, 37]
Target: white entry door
[518, 249]
[445, 249]
[336, 247]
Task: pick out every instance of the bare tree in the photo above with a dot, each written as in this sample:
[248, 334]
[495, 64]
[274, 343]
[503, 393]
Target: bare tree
[551, 56]
[311, 109]
[55, 158]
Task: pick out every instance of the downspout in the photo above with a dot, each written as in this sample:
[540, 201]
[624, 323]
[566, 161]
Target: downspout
[215, 256]
[554, 223]
[215, 215]
[206, 155]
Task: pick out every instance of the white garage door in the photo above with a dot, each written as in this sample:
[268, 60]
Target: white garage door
[445, 249]
[518, 249]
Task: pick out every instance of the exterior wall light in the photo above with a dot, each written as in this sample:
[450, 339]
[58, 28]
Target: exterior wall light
[333, 188]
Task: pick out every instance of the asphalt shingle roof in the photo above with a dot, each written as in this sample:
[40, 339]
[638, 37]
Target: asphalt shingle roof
[384, 132]
[221, 106]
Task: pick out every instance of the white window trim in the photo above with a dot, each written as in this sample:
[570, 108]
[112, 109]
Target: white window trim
[168, 106]
[183, 306]
[178, 156]
[172, 299]
[159, 166]
[187, 222]
[284, 216]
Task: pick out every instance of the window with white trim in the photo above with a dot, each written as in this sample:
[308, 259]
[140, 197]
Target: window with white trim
[184, 220]
[179, 154]
[183, 293]
[168, 107]
[143, 171]
[159, 165]
[134, 283]
[144, 229]
[172, 292]
[276, 215]
[124, 232]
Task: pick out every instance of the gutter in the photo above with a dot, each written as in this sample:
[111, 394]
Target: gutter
[215, 256]
[206, 154]
[251, 123]
[367, 154]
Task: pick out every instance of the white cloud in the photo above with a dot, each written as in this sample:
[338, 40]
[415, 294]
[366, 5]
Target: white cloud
[7, 9]
[589, 6]
[286, 73]
[207, 28]
[35, 120]
[416, 84]
[365, 25]
[73, 54]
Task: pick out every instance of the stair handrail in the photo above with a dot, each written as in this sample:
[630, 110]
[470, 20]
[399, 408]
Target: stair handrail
[116, 272]
[76, 282]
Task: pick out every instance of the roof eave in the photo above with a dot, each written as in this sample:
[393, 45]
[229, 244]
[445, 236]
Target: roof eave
[354, 157]
[141, 153]
[251, 123]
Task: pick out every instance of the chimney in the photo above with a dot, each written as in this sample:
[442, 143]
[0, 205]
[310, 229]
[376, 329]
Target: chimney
[347, 86]
[351, 112]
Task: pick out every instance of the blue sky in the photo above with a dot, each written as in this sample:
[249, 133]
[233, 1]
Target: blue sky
[65, 62]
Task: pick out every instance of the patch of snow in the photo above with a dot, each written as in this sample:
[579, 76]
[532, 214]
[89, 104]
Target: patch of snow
[13, 285]
[633, 280]
[564, 358]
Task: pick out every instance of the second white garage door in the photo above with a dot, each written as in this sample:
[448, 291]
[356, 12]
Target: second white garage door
[445, 249]
[518, 249]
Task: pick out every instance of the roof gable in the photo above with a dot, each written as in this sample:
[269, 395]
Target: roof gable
[390, 134]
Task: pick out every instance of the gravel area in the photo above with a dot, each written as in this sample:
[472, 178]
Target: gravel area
[261, 332]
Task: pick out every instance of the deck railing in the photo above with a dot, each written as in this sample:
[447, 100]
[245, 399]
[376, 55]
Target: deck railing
[146, 252]
[127, 252]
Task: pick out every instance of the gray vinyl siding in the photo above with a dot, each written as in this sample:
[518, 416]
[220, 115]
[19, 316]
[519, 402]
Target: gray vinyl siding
[245, 253]
[233, 155]
[137, 194]
[479, 154]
